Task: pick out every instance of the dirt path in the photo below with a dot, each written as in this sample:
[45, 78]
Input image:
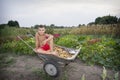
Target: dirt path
[30, 68]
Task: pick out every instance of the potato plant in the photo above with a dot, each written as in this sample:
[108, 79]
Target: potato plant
[103, 51]
[18, 47]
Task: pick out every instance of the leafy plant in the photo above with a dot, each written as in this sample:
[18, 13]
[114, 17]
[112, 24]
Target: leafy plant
[5, 60]
[68, 41]
[41, 73]
[116, 76]
[83, 77]
[104, 53]
[18, 47]
[104, 73]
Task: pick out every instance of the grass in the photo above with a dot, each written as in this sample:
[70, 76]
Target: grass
[44, 76]
[88, 30]
[12, 31]
[5, 60]
[113, 30]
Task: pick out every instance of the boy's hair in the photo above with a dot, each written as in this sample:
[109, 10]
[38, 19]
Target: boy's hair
[41, 26]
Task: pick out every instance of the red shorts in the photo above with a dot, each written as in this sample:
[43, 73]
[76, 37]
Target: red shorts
[45, 47]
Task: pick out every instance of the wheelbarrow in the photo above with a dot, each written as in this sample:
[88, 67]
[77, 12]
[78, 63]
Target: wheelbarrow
[52, 63]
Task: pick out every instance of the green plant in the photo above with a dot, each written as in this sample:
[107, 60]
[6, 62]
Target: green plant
[5, 60]
[116, 76]
[68, 41]
[49, 30]
[105, 53]
[104, 73]
[41, 73]
[83, 77]
[65, 77]
[18, 47]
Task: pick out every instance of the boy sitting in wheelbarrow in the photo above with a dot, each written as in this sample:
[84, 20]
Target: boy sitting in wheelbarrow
[44, 41]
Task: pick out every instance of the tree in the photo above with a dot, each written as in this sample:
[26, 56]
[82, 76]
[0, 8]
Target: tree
[79, 25]
[91, 23]
[106, 20]
[13, 23]
[83, 24]
[17, 24]
[2, 26]
[52, 25]
[119, 21]
[49, 29]
[98, 20]
[36, 26]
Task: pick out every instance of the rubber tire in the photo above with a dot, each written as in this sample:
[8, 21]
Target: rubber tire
[54, 65]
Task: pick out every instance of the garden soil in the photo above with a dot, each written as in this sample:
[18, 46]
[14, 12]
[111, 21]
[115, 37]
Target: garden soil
[26, 67]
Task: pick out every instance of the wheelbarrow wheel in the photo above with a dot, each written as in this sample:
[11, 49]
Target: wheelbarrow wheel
[51, 68]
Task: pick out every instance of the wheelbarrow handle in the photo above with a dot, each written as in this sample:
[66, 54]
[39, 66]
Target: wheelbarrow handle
[25, 43]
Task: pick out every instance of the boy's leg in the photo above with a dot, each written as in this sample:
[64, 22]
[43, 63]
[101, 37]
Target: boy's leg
[51, 45]
[46, 52]
[49, 51]
[42, 51]
[51, 48]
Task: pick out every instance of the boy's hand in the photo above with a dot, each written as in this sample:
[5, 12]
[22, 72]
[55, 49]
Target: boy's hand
[54, 53]
[44, 42]
[35, 50]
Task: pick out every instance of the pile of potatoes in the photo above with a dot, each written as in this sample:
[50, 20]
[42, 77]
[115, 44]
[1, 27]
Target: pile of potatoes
[61, 52]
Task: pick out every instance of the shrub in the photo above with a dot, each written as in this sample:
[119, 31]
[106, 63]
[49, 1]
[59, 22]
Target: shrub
[18, 47]
[68, 41]
[103, 53]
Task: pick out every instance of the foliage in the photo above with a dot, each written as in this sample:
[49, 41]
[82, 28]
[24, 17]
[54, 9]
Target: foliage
[106, 20]
[104, 73]
[108, 30]
[68, 41]
[10, 33]
[102, 53]
[116, 76]
[12, 23]
[119, 20]
[105, 76]
[49, 30]
[5, 60]
[18, 47]
[2, 26]
[105, 52]
[42, 74]
[91, 23]
[83, 77]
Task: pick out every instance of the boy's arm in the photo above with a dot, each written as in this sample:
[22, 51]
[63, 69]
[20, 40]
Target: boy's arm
[49, 37]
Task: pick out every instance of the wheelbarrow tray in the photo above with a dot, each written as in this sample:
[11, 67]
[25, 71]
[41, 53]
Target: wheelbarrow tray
[49, 56]
[60, 59]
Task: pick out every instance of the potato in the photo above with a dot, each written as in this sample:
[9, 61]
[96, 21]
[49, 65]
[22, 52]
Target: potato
[61, 52]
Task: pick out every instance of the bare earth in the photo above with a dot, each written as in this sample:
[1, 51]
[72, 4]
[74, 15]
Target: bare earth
[31, 68]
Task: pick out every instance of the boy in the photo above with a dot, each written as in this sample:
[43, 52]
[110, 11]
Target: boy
[44, 42]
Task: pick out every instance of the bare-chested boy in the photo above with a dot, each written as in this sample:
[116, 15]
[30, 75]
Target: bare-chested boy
[44, 41]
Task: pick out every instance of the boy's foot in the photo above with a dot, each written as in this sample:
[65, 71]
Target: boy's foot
[54, 53]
